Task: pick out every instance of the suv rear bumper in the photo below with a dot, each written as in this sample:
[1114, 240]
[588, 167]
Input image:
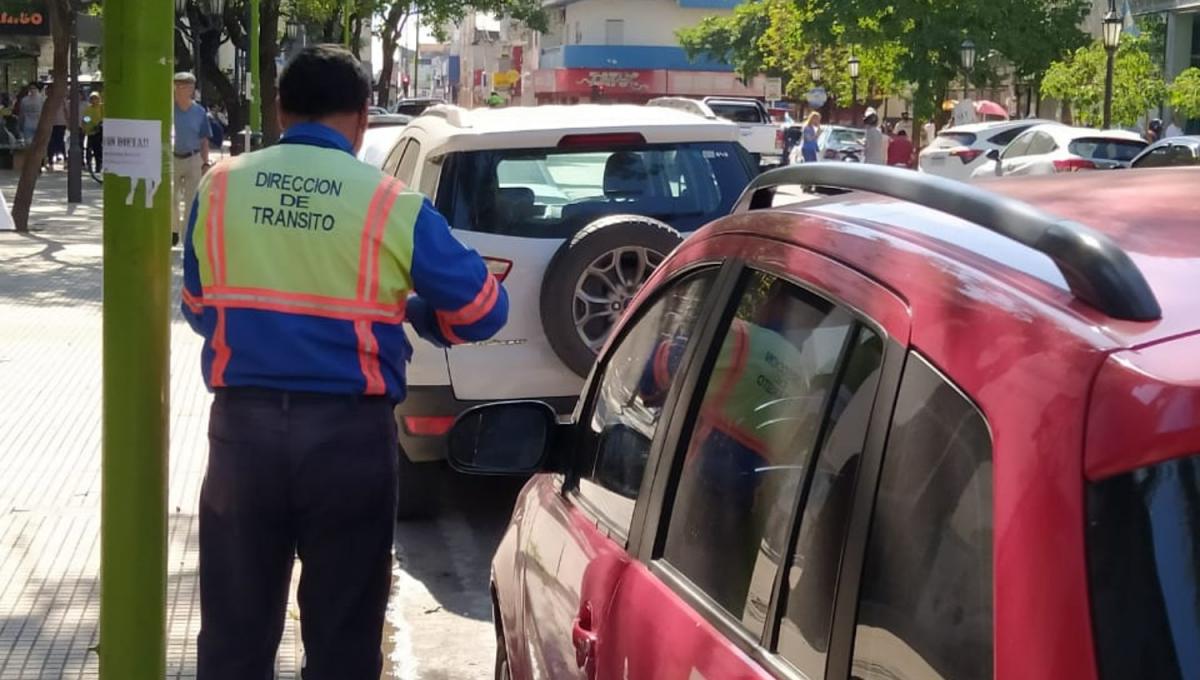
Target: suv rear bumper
[439, 401]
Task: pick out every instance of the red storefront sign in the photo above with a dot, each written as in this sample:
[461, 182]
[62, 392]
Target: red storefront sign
[580, 81]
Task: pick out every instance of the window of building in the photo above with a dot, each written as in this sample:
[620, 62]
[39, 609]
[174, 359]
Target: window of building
[614, 32]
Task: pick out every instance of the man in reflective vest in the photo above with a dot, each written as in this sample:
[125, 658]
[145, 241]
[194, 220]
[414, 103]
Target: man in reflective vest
[300, 266]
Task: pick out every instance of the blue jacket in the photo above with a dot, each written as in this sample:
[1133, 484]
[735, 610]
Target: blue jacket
[307, 353]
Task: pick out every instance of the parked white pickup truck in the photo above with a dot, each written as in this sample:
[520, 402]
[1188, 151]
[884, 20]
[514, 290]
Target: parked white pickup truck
[758, 133]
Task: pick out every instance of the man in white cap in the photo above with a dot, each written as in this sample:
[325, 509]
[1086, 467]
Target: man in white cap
[875, 150]
[191, 149]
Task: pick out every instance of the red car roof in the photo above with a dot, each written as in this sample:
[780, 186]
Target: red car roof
[1154, 215]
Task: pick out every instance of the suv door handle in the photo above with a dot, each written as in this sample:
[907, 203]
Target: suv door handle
[584, 639]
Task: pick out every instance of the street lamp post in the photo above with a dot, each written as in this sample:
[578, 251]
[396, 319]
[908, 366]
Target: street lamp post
[967, 52]
[1112, 39]
[854, 65]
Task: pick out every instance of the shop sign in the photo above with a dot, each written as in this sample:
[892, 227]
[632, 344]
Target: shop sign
[503, 80]
[626, 81]
[24, 17]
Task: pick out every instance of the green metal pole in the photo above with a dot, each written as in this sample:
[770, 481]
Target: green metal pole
[139, 54]
[254, 71]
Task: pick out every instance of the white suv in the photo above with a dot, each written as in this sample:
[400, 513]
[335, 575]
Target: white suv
[956, 152]
[572, 207]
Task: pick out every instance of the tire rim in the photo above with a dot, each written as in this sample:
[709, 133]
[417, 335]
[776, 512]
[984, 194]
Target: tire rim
[605, 289]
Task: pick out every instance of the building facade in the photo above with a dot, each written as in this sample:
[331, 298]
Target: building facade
[628, 51]
[1182, 41]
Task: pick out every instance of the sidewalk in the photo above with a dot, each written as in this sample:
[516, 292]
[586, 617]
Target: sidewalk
[50, 315]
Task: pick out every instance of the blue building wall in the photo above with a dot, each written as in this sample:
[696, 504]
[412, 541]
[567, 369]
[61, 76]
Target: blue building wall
[628, 56]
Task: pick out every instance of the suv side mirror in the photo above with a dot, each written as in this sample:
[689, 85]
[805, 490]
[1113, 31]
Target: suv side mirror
[505, 438]
[993, 155]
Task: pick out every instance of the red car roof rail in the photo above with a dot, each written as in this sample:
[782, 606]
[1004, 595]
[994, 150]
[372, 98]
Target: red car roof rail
[1096, 269]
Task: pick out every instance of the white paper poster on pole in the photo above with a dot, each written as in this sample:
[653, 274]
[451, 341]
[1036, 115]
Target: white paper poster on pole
[6, 220]
[133, 149]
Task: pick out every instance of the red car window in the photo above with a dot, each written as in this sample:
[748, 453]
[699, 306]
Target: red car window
[752, 444]
[925, 607]
[637, 377]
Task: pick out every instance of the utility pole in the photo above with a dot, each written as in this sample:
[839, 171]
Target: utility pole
[416, 52]
[252, 72]
[75, 154]
[139, 52]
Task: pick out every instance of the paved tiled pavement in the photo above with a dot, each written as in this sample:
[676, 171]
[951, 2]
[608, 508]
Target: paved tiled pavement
[50, 451]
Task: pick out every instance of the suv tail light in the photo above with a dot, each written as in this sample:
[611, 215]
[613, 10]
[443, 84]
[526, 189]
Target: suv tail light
[601, 140]
[498, 268]
[966, 155]
[1073, 165]
[428, 426]
[779, 139]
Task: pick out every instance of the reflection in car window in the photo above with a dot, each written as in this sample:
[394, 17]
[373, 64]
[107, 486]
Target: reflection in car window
[637, 377]
[1019, 147]
[1106, 149]
[553, 193]
[925, 611]
[1143, 540]
[1168, 156]
[408, 162]
[1008, 135]
[1041, 143]
[811, 583]
[752, 443]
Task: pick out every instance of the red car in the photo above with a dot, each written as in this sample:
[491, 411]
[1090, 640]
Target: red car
[924, 431]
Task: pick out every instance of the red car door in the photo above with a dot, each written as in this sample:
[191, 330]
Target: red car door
[807, 380]
[576, 553]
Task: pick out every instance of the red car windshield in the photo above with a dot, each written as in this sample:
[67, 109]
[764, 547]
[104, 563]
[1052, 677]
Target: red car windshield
[1144, 562]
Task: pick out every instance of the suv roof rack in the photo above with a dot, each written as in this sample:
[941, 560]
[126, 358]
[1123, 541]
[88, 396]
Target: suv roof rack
[454, 115]
[1096, 269]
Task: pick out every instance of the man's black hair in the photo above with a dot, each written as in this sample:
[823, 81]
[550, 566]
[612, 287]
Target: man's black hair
[323, 80]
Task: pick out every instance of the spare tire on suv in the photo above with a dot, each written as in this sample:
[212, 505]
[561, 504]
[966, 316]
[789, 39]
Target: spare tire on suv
[591, 279]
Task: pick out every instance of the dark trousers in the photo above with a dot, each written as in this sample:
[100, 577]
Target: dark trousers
[296, 475]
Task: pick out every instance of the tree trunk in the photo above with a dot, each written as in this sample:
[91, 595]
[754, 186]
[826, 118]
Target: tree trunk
[393, 26]
[36, 153]
[268, 49]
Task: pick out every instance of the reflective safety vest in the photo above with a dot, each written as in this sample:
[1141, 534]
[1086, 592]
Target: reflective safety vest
[757, 394]
[309, 233]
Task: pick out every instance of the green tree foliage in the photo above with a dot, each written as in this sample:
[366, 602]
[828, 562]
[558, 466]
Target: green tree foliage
[1184, 93]
[900, 43]
[1079, 79]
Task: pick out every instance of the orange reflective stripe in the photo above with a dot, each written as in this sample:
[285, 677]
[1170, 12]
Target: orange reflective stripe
[378, 214]
[368, 357]
[391, 193]
[475, 310]
[195, 304]
[364, 250]
[342, 310]
[448, 331]
[221, 349]
[235, 292]
[217, 191]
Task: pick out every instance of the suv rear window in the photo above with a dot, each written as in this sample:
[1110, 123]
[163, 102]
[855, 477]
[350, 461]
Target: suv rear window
[553, 193]
[738, 113]
[1101, 149]
[1143, 539]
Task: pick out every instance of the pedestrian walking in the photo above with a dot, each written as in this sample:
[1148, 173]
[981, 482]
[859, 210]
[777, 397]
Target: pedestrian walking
[875, 149]
[300, 266]
[57, 148]
[93, 130]
[191, 149]
[900, 150]
[29, 110]
[809, 148]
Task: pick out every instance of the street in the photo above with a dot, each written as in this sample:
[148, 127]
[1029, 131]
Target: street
[439, 619]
